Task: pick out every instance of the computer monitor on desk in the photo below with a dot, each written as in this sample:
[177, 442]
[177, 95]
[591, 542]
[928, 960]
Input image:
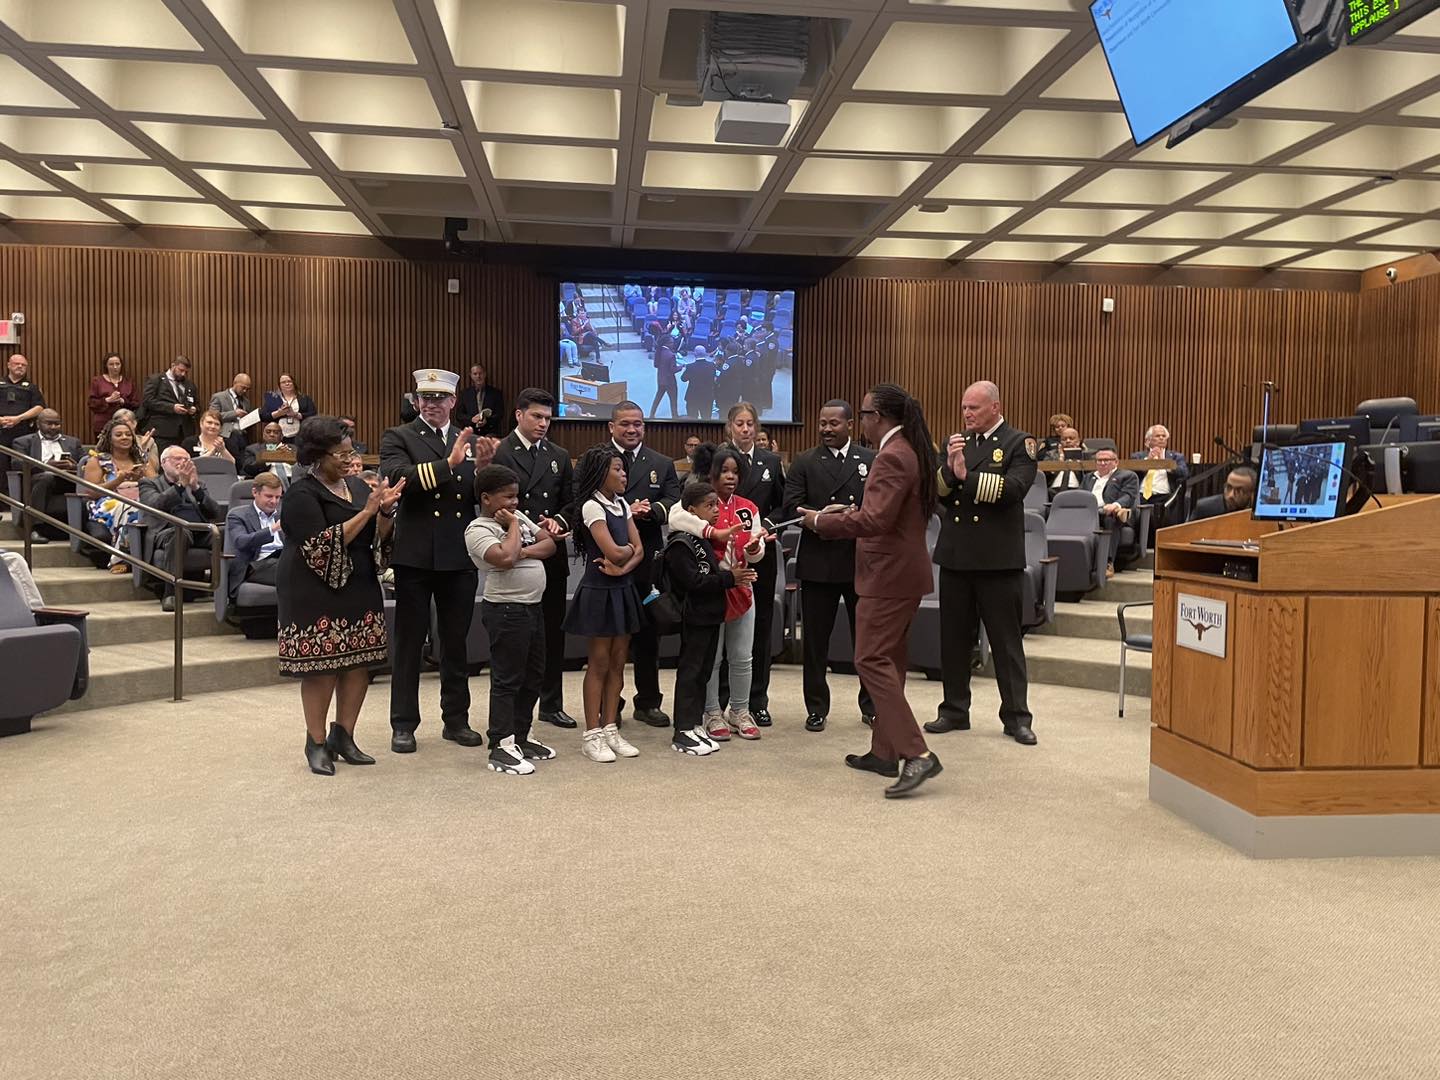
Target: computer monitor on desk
[1303, 483]
[1419, 428]
[1338, 428]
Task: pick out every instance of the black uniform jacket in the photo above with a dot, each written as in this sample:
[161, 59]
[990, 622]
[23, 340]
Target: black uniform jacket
[439, 502]
[982, 521]
[547, 481]
[815, 480]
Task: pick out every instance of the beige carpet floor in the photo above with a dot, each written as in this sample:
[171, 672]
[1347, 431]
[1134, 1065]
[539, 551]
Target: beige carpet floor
[182, 899]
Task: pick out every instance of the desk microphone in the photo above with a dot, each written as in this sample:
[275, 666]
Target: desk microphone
[1228, 448]
[1386, 433]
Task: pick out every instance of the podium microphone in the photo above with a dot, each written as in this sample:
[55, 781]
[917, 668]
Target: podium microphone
[1228, 448]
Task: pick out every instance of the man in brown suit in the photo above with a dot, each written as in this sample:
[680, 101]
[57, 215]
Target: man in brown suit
[892, 573]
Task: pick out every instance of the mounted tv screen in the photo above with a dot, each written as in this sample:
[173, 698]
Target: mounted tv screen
[680, 351]
[1169, 57]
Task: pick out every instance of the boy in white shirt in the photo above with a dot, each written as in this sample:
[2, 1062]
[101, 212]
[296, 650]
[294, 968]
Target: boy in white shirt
[508, 549]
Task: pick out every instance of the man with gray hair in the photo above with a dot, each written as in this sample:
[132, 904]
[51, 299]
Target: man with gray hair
[178, 490]
[1157, 485]
[981, 553]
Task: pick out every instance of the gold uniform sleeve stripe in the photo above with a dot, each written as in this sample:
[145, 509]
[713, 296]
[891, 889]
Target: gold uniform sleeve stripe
[426, 472]
[941, 487]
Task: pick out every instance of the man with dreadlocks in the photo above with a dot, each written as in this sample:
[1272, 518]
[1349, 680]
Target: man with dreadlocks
[892, 574]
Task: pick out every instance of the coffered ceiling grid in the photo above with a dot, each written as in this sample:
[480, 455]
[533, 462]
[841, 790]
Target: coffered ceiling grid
[963, 129]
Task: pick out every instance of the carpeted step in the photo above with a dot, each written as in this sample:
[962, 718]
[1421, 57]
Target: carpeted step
[142, 671]
[1094, 619]
[132, 621]
[1085, 663]
[57, 553]
[85, 587]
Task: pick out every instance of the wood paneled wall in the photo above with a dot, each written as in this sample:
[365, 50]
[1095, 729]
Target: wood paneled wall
[350, 330]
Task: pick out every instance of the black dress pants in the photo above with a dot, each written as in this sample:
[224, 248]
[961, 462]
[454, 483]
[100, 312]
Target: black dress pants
[453, 593]
[552, 606]
[819, 602]
[764, 590]
[968, 598]
[645, 645]
[517, 667]
[166, 553]
[263, 571]
[692, 672]
[47, 494]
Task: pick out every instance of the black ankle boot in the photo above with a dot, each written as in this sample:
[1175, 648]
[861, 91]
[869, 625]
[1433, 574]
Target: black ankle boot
[341, 744]
[318, 755]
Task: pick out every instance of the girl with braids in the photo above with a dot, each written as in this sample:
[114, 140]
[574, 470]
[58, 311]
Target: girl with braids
[892, 573]
[605, 608]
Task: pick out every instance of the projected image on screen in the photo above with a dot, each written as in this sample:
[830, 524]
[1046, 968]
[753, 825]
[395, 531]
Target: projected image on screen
[682, 352]
[1301, 483]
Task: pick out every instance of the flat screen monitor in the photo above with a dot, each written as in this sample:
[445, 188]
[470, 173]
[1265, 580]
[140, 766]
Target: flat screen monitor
[1339, 427]
[683, 352]
[1303, 483]
[1169, 57]
[1374, 20]
[1418, 428]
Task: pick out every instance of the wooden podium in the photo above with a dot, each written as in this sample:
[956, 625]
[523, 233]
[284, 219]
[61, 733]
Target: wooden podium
[1299, 713]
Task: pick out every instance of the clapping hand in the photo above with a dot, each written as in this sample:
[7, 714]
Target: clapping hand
[640, 508]
[723, 535]
[485, 447]
[462, 443]
[387, 494]
[744, 575]
[955, 454]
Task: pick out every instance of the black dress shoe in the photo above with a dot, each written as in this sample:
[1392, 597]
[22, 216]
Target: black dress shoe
[1022, 734]
[913, 772]
[560, 718]
[762, 718]
[465, 736]
[167, 603]
[870, 763]
[318, 757]
[341, 744]
[39, 538]
[941, 724]
[868, 719]
[653, 717]
[402, 742]
[814, 722]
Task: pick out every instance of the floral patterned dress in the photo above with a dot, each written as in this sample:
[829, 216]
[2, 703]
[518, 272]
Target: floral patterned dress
[332, 616]
[111, 512]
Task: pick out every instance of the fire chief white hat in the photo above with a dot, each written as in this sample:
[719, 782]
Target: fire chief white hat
[435, 381]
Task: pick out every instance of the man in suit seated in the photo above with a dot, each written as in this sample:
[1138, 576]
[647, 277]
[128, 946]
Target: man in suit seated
[350, 426]
[1239, 494]
[1157, 485]
[270, 440]
[1118, 493]
[253, 530]
[178, 491]
[1070, 449]
[51, 445]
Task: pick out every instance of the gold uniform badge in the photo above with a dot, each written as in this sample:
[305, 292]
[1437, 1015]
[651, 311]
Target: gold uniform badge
[998, 456]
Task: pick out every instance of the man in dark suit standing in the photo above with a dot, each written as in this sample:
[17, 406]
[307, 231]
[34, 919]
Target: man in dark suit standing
[168, 406]
[547, 488]
[253, 534]
[981, 555]
[1238, 494]
[51, 445]
[892, 573]
[437, 461]
[832, 473]
[651, 489]
[178, 491]
[1118, 493]
[762, 481]
[699, 378]
[481, 406]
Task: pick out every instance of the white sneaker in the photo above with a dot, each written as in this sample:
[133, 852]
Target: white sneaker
[617, 743]
[716, 730]
[743, 724]
[687, 742]
[594, 746]
[505, 757]
[704, 736]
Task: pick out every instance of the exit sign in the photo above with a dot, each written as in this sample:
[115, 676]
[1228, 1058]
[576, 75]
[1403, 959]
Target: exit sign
[1373, 20]
[9, 332]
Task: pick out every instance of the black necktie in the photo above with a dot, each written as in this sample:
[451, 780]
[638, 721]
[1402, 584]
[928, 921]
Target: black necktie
[629, 456]
[439, 434]
[534, 452]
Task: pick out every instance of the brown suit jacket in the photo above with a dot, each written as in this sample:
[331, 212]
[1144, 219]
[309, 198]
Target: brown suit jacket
[891, 557]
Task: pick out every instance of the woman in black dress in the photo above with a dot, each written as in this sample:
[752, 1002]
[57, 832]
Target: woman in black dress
[332, 618]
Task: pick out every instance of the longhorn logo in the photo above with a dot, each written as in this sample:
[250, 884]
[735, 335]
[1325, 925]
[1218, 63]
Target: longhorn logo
[1200, 629]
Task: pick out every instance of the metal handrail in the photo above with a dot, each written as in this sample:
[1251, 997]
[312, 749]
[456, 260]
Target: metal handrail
[29, 515]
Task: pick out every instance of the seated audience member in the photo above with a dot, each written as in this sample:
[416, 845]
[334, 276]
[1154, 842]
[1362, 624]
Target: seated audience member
[232, 406]
[1117, 493]
[112, 389]
[271, 441]
[354, 465]
[371, 478]
[350, 426]
[691, 445]
[178, 491]
[1239, 494]
[288, 407]
[254, 534]
[1157, 485]
[1069, 441]
[211, 442]
[118, 464]
[51, 445]
[145, 445]
[762, 439]
[1058, 422]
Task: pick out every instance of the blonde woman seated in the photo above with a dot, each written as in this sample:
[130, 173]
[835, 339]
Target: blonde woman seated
[210, 442]
[118, 465]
